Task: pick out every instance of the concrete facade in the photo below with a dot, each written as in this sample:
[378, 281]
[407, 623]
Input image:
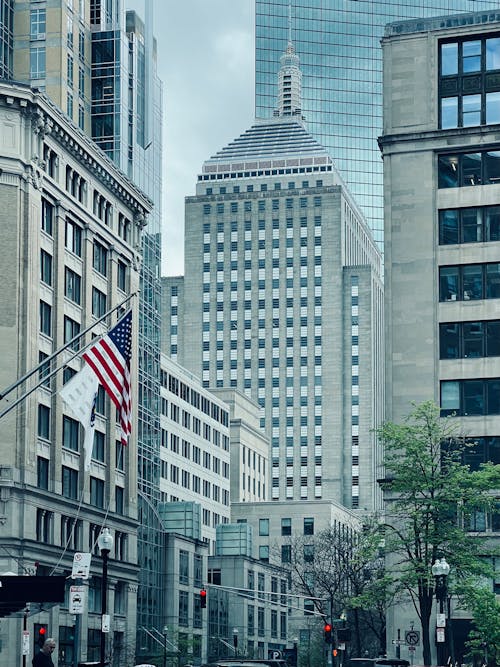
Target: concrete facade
[66, 262]
[442, 192]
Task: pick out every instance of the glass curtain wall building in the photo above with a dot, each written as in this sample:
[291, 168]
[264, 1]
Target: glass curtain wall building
[338, 42]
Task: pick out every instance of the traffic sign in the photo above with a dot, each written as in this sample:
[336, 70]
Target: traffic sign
[26, 642]
[81, 565]
[412, 648]
[399, 642]
[412, 637]
[76, 599]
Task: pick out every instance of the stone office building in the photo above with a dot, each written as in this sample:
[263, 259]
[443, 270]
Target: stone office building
[70, 230]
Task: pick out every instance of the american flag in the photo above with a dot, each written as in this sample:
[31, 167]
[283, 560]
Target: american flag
[109, 358]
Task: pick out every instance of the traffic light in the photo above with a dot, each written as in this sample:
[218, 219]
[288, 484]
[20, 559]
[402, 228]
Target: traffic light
[41, 635]
[203, 598]
[335, 652]
[328, 633]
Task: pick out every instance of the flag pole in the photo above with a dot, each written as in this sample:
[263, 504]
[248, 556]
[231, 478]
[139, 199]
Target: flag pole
[48, 359]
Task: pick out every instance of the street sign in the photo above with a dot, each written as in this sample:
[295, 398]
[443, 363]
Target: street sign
[399, 642]
[274, 654]
[26, 642]
[440, 635]
[105, 623]
[412, 637]
[81, 565]
[76, 599]
[412, 648]
[441, 620]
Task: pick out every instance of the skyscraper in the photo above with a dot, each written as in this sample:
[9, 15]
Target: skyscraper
[97, 63]
[338, 43]
[283, 299]
[442, 195]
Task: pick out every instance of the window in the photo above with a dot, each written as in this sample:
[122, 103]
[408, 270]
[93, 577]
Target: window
[100, 258]
[97, 492]
[42, 472]
[308, 553]
[71, 330]
[72, 285]
[264, 527]
[286, 526]
[37, 24]
[469, 282]
[464, 340]
[37, 62]
[73, 237]
[264, 553]
[183, 567]
[119, 500]
[183, 608]
[98, 302]
[71, 434]
[308, 526]
[69, 483]
[45, 267]
[122, 276]
[43, 422]
[45, 318]
[469, 91]
[470, 397]
[466, 169]
[469, 225]
[98, 446]
[286, 553]
[47, 217]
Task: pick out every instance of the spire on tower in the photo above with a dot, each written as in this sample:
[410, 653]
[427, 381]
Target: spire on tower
[289, 78]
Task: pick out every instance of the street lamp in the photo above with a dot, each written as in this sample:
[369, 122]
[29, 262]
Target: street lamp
[105, 543]
[440, 571]
[235, 641]
[165, 631]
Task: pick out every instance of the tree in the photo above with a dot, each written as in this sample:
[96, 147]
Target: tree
[431, 497]
[341, 572]
[484, 638]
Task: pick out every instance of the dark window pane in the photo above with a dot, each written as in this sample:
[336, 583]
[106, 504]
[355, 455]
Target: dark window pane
[448, 341]
[448, 171]
[473, 339]
[491, 161]
[471, 169]
[472, 276]
[448, 283]
[492, 281]
[493, 449]
[492, 223]
[493, 393]
[493, 338]
[472, 225]
[448, 227]
[473, 399]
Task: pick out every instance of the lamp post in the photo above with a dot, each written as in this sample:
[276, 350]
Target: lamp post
[165, 630]
[105, 543]
[235, 641]
[440, 571]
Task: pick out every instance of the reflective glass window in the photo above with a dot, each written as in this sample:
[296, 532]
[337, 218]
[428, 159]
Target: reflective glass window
[473, 397]
[472, 282]
[491, 161]
[450, 397]
[449, 112]
[493, 396]
[471, 110]
[449, 340]
[493, 53]
[448, 283]
[448, 171]
[471, 169]
[473, 339]
[471, 225]
[492, 223]
[493, 281]
[493, 338]
[449, 58]
[492, 108]
[471, 56]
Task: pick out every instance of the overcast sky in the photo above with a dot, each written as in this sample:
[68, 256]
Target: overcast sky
[206, 58]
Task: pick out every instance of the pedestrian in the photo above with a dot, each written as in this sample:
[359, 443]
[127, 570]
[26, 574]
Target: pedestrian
[44, 656]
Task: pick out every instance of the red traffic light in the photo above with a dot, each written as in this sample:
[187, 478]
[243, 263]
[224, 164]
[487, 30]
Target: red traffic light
[328, 627]
[203, 598]
[328, 633]
[42, 631]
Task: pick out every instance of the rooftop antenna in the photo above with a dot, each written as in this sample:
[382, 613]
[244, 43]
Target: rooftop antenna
[289, 21]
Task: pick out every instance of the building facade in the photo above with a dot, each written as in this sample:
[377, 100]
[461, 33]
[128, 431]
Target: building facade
[97, 63]
[67, 262]
[442, 193]
[283, 301]
[339, 48]
[195, 448]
